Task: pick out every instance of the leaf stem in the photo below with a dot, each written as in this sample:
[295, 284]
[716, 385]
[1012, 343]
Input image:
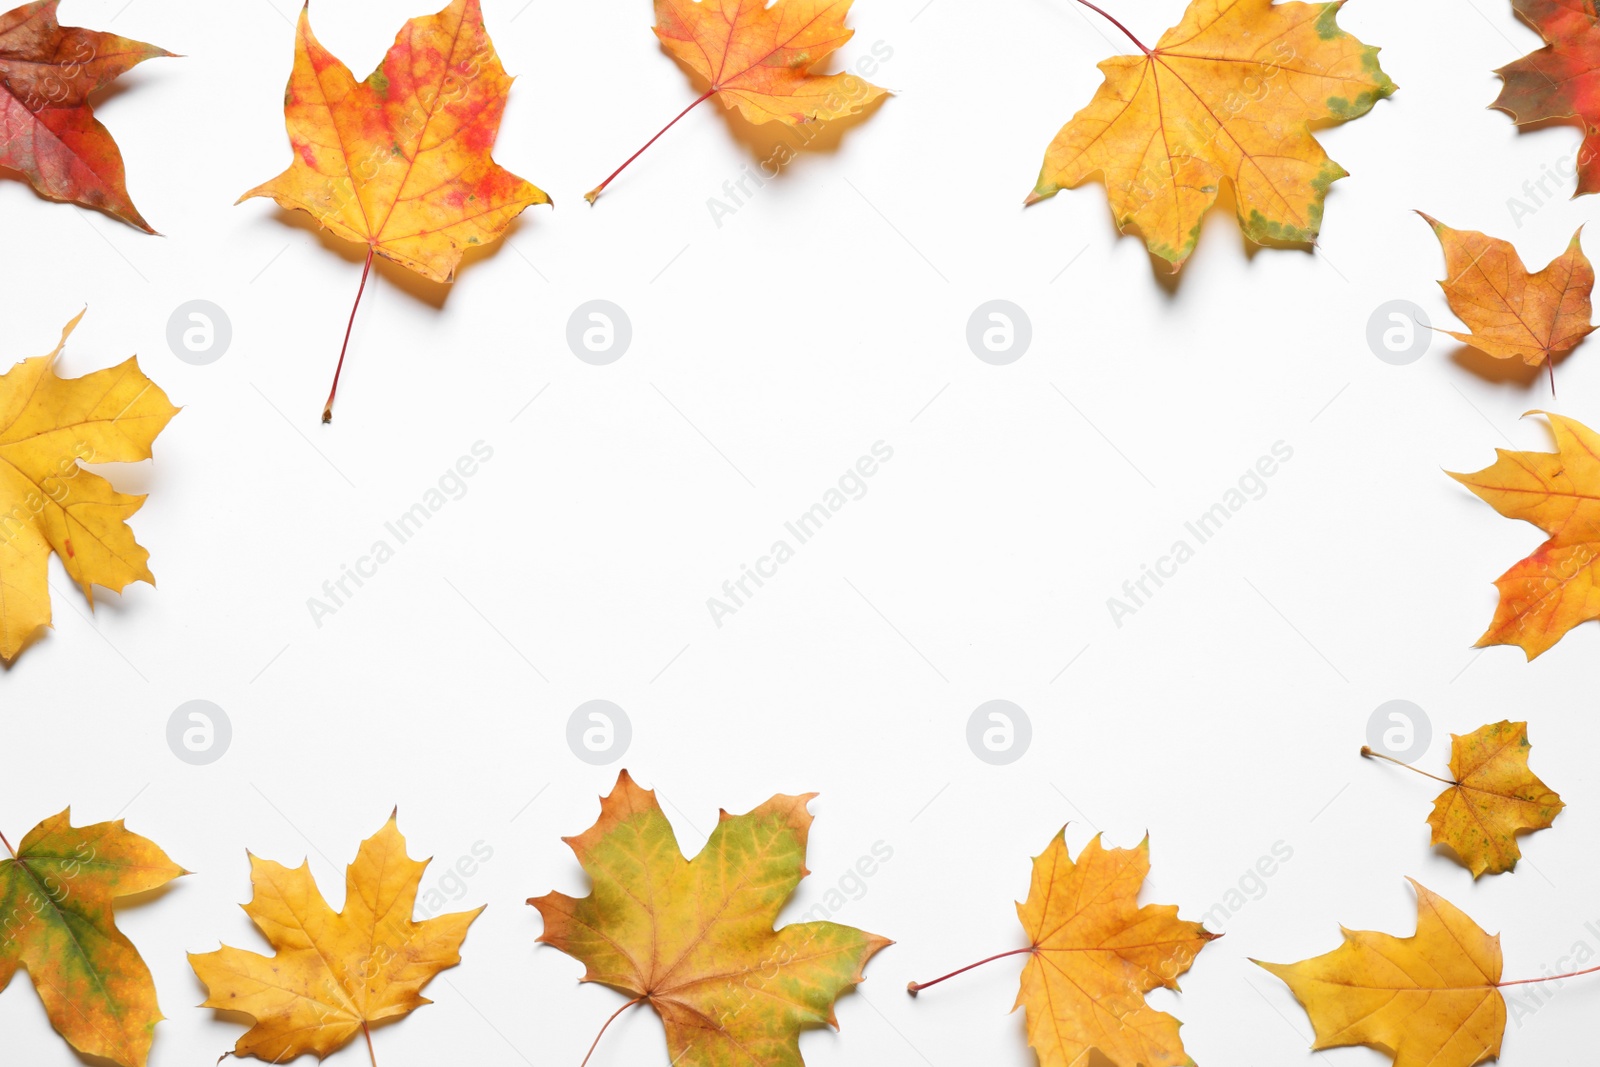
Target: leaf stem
[602, 1033]
[1109, 18]
[1550, 365]
[594, 194]
[1549, 978]
[916, 987]
[6, 843]
[1367, 752]
[367, 1033]
[327, 409]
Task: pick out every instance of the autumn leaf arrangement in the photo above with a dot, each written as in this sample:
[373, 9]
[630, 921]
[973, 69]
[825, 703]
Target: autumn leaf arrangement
[1437, 997]
[693, 938]
[696, 939]
[401, 163]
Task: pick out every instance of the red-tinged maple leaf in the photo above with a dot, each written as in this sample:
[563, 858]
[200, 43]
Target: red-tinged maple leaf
[48, 132]
[1561, 81]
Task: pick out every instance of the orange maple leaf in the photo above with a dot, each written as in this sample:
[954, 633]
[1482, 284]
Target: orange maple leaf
[400, 162]
[1555, 588]
[1512, 313]
[758, 59]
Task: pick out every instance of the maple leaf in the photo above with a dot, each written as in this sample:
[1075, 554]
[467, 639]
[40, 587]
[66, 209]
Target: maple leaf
[1430, 1000]
[1492, 798]
[1229, 94]
[1554, 589]
[1093, 955]
[695, 938]
[1562, 80]
[758, 59]
[49, 427]
[400, 162]
[48, 132]
[334, 974]
[56, 895]
[1511, 313]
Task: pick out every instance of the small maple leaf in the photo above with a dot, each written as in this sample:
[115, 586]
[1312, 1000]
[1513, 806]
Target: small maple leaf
[1562, 80]
[400, 162]
[758, 58]
[1430, 1000]
[1229, 94]
[1555, 588]
[49, 428]
[694, 938]
[56, 894]
[1493, 797]
[48, 132]
[1093, 955]
[334, 974]
[1512, 313]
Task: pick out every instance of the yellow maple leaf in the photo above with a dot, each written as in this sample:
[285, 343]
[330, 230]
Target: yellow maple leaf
[334, 974]
[1493, 797]
[49, 428]
[1229, 94]
[1511, 313]
[1430, 1000]
[1093, 954]
[694, 938]
[1554, 589]
[757, 58]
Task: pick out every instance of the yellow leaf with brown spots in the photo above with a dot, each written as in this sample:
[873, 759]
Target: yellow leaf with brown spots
[1495, 798]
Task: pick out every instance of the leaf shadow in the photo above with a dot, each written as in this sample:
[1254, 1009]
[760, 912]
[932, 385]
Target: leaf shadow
[12, 175]
[92, 1061]
[414, 285]
[765, 140]
[1513, 373]
[1226, 205]
[148, 897]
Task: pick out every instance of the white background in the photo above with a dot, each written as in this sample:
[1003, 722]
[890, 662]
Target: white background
[827, 314]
